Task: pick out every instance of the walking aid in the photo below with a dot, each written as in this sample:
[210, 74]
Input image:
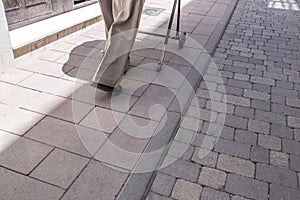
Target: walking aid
[180, 36]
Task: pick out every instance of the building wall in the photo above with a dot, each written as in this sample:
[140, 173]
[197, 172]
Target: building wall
[6, 53]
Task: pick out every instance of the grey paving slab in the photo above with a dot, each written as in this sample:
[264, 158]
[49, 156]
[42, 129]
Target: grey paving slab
[103, 119]
[57, 87]
[65, 135]
[152, 105]
[15, 76]
[23, 155]
[17, 186]
[122, 149]
[17, 120]
[97, 181]
[15, 95]
[44, 67]
[60, 168]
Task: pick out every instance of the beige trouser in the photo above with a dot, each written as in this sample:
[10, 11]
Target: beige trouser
[121, 19]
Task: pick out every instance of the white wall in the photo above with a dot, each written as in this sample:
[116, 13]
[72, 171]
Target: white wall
[6, 53]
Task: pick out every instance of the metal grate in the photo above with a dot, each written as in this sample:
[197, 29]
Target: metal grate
[152, 11]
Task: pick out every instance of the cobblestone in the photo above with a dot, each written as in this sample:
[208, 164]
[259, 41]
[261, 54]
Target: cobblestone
[247, 187]
[246, 137]
[211, 194]
[259, 126]
[212, 177]
[295, 162]
[279, 159]
[269, 142]
[259, 154]
[276, 175]
[184, 190]
[236, 165]
[209, 160]
[291, 146]
[233, 148]
[163, 184]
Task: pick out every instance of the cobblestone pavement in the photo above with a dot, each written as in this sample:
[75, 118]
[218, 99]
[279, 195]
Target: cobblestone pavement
[258, 153]
[49, 114]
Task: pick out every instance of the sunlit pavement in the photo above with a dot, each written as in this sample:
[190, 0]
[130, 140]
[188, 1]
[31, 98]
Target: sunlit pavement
[62, 139]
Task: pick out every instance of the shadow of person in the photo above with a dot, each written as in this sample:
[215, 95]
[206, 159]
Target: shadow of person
[84, 60]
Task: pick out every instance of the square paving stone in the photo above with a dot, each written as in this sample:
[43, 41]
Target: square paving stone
[13, 95]
[121, 102]
[133, 87]
[44, 67]
[171, 77]
[103, 119]
[121, 149]
[17, 120]
[184, 190]
[6, 140]
[140, 74]
[15, 76]
[97, 181]
[68, 136]
[72, 111]
[139, 127]
[60, 168]
[23, 155]
[50, 85]
[43, 103]
[14, 186]
[153, 103]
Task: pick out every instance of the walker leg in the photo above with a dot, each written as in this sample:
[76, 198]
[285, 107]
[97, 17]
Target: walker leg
[178, 18]
[161, 62]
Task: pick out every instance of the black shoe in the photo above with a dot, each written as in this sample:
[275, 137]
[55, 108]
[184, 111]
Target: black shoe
[102, 87]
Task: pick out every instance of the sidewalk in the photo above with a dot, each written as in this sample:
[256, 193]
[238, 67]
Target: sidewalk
[62, 139]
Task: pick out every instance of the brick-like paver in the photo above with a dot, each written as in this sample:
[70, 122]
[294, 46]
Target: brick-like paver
[258, 149]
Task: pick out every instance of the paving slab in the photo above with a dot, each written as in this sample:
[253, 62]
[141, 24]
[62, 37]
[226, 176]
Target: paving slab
[23, 155]
[67, 136]
[17, 186]
[97, 181]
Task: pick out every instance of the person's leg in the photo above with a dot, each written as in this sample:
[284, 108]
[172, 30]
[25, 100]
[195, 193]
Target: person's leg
[126, 15]
[106, 9]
